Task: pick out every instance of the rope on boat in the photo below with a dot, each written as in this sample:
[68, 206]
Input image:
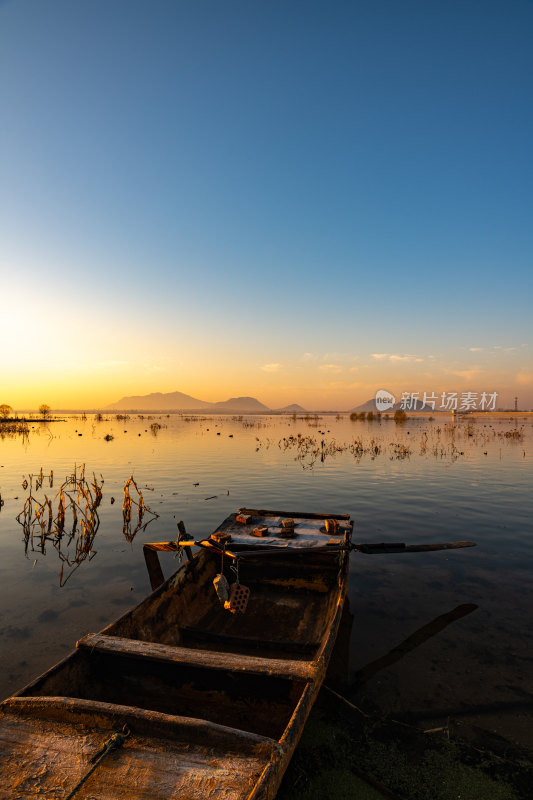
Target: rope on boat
[235, 569]
[115, 741]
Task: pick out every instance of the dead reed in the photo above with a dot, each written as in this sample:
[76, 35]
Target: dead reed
[309, 449]
[142, 509]
[8, 430]
[69, 521]
[514, 433]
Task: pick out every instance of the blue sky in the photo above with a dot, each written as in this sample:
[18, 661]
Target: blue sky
[198, 190]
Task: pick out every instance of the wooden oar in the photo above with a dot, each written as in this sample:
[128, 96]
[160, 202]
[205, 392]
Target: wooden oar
[400, 547]
[369, 548]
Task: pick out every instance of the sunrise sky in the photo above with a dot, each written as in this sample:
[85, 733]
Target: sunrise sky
[299, 201]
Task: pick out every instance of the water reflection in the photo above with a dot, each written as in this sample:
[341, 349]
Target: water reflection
[142, 509]
[10, 430]
[469, 480]
[449, 442]
[69, 521]
[409, 644]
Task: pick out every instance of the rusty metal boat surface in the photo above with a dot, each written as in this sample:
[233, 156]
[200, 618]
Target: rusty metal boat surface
[181, 698]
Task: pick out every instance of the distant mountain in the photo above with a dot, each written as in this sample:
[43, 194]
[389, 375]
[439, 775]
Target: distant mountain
[157, 401]
[177, 401]
[239, 404]
[370, 405]
[294, 408]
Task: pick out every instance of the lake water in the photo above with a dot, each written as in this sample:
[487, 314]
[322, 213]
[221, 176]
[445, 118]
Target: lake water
[423, 481]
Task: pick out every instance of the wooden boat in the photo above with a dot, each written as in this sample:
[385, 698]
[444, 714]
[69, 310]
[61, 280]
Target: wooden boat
[181, 698]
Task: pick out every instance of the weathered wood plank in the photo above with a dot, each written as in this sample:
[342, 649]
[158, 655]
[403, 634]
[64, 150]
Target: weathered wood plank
[46, 757]
[299, 514]
[134, 648]
[296, 548]
[143, 721]
[153, 566]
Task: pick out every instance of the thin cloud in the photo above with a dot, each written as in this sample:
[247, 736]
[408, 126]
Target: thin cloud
[396, 357]
[271, 367]
[468, 374]
[330, 357]
[476, 349]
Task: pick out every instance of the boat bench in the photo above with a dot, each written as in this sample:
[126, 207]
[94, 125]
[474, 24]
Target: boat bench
[208, 659]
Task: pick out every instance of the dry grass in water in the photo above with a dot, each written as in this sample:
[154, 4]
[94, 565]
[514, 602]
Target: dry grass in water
[9, 430]
[142, 509]
[69, 521]
[399, 451]
[310, 450]
[514, 433]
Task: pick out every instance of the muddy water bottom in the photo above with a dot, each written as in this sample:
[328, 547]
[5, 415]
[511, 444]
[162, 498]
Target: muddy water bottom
[421, 482]
[473, 678]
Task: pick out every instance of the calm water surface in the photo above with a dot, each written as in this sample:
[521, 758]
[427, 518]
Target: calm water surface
[418, 482]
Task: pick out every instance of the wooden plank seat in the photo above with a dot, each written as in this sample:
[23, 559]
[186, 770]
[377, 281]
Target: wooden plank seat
[47, 744]
[208, 659]
[145, 722]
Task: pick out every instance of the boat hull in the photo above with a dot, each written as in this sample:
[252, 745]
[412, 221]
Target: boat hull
[213, 703]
